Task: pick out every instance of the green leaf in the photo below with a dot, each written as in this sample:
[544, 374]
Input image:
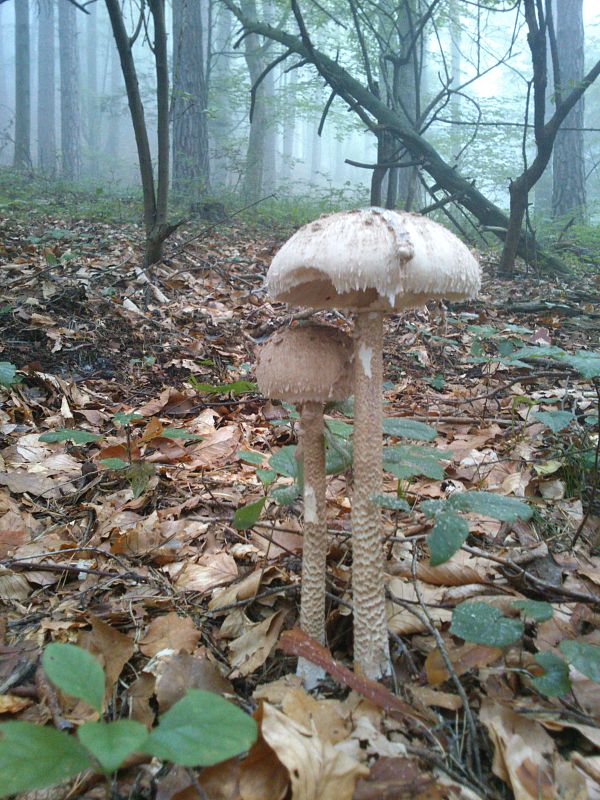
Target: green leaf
[338, 454]
[284, 495]
[111, 742]
[534, 351]
[284, 461]
[555, 420]
[406, 461]
[70, 434]
[201, 729]
[251, 457]
[537, 610]
[33, 757]
[391, 502]
[180, 433]
[584, 657]
[139, 475]
[122, 418]
[237, 387]
[339, 428]
[246, 516]
[432, 507]
[76, 672]
[266, 476]
[8, 373]
[506, 509]
[448, 534]
[406, 428]
[586, 363]
[114, 463]
[555, 680]
[482, 623]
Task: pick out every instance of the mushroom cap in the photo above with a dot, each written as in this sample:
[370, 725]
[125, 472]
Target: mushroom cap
[310, 363]
[374, 259]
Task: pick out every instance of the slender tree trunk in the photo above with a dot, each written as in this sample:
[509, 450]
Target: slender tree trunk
[315, 153]
[70, 122]
[219, 126]
[22, 155]
[568, 189]
[113, 133]
[93, 111]
[289, 125]
[190, 100]
[46, 90]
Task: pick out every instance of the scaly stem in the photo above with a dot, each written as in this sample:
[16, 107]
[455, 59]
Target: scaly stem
[371, 646]
[314, 556]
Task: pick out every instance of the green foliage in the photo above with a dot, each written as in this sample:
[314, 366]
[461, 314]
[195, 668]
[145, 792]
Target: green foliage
[505, 509]
[390, 502]
[33, 756]
[407, 461]
[125, 418]
[485, 624]
[284, 462]
[554, 681]
[76, 672]
[70, 434]
[448, 534]
[201, 729]
[236, 387]
[555, 420]
[536, 610]
[8, 374]
[111, 742]
[583, 656]
[406, 428]
[246, 516]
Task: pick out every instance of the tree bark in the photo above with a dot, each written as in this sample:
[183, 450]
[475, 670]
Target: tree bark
[70, 137]
[568, 188]
[190, 101]
[22, 154]
[46, 90]
[93, 111]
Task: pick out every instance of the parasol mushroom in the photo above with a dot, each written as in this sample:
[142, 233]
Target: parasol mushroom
[309, 366]
[371, 261]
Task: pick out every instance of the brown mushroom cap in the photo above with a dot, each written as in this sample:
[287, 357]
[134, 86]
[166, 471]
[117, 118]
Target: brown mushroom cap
[374, 259]
[310, 363]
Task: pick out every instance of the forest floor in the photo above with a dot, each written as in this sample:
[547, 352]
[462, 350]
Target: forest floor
[122, 535]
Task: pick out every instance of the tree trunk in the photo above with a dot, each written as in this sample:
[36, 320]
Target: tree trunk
[113, 134]
[289, 126]
[22, 154]
[69, 91]
[190, 128]
[568, 188]
[93, 110]
[219, 125]
[46, 90]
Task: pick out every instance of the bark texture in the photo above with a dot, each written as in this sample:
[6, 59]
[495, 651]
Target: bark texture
[46, 88]
[190, 100]
[314, 552]
[70, 136]
[568, 188]
[371, 646]
[22, 155]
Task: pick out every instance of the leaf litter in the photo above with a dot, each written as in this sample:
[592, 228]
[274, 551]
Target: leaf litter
[121, 538]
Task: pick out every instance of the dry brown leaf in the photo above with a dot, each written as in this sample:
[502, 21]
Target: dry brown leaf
[401, 621]
[12, 704]
[182, 672]
[318, 771]
[328, 717]
[253, 647]
[463, 658]
[169, 632]
[244, 589]
[209, 571]
[523, 752]
[433, 698]
[460, 570]
[216, 448]
[261, 773]
[399, 778]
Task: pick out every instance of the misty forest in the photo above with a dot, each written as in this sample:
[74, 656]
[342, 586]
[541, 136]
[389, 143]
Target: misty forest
[299, 399]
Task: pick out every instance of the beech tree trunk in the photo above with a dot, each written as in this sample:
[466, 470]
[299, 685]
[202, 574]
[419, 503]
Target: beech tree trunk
[568, 188]
[190, 100]
[92, 109]
[46, 126]
[70, 136]
[22, 154]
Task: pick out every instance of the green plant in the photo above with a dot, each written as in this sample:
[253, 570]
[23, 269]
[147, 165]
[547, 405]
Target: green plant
[136, 471]
[483, 623]
[201, 729]
[8, 374]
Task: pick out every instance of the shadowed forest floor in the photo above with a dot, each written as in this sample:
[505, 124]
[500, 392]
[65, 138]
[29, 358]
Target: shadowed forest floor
[123, 536]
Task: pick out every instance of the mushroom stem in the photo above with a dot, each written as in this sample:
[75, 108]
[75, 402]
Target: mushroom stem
[371, 645]
[314, 558]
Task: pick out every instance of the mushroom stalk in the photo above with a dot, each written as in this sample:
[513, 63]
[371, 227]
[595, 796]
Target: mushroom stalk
[314, 556]
[371, 645]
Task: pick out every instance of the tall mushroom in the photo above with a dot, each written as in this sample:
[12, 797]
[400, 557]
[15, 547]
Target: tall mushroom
[309, 366]
[370, 261]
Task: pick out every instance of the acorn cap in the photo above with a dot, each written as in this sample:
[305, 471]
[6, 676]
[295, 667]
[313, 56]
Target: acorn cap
[309, 363]
[375, 259]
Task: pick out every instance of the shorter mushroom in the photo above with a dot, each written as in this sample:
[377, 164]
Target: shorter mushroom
[309, 366]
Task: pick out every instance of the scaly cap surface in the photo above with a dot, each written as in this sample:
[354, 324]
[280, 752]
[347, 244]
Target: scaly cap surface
[309, 363]
[375, 259]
